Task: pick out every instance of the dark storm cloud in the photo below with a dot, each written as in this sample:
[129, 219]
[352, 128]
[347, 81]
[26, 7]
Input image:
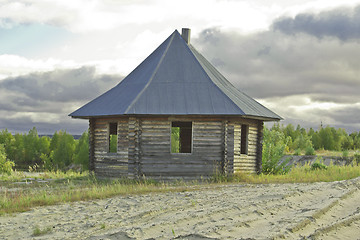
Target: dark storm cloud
[342, 23]
[61, 85]
[269, 64]
[44, 100]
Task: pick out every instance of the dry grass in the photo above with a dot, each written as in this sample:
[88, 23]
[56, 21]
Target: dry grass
[304, 174]
[71, 186]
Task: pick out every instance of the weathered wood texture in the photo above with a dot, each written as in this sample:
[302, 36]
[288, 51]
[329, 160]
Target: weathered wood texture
[106, 164]
[134, 151]
[228, 143]
[144, 148]
[246, 162]
[92, 144]
[158, 162]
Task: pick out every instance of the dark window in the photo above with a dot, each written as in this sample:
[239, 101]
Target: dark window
[113, 137]
[181, 137]
[244, 139]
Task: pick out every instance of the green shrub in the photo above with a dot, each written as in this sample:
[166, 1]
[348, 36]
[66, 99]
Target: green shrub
[274, 144]
[309, 151]
[39, 232]
[5, 165]
[82, 151]
[318, 164]
[357, 158]
[297, 152]
[345, 153]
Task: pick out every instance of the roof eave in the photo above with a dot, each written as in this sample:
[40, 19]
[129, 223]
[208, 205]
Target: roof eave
[261, 118]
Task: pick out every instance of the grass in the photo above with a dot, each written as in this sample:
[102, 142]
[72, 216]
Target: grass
[325, 153]
[304, 174]
[71, 186]
[39, 232]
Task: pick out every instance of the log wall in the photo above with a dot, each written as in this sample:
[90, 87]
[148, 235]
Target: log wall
[91, 144]
[157, 161]
[246, 162]
[144, 148]
[106, 164]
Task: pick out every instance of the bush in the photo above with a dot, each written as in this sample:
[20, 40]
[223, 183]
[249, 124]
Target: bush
[297, 152]
[274, 145]
[357, 158]
[5, 165]
[309, 150]
[82, 151]
[318, 164]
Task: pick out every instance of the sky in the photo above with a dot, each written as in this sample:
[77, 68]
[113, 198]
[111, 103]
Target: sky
[299, 58]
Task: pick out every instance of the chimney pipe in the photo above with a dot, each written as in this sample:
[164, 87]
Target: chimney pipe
[185, 34]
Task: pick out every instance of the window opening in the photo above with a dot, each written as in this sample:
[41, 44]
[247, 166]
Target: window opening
[181, 137]
[244, 139]
[113, 140]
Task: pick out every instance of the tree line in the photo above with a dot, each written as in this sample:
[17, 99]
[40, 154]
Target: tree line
[326, 138]
[56, 153]
[61, 150]
[280, 139]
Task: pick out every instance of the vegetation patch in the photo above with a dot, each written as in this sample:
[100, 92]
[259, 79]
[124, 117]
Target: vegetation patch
[39, 232]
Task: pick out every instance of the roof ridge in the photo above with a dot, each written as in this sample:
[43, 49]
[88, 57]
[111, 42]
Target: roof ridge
[152, 76]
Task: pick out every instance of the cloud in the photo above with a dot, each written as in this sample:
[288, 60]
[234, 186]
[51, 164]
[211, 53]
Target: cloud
[48, 97]
[341, 23]
[14, 65]
[302, 78]
[269, 64]
[85, 16]
[60, 85]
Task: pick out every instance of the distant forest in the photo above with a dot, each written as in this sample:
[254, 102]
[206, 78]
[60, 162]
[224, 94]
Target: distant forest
[326, 138]
[62, 151]
[56, 153]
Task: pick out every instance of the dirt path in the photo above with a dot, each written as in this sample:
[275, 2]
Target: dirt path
[291, 211]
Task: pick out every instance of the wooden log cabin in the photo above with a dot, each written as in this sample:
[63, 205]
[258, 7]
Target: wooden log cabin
[174, 116]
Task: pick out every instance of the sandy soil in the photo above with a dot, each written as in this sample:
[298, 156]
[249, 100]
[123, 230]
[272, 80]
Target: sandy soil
[269, 211]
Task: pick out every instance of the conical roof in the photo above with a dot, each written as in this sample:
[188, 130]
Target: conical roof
[174, 80]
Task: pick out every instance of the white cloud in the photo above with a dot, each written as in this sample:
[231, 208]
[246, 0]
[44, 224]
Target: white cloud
[13, 65]
[94, 15]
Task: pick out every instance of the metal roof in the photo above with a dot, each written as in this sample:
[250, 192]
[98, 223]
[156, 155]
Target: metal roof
[174, 80]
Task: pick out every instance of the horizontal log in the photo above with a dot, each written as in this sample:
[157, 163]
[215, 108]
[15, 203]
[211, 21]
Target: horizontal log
[112, 168]
[154, 143]
[155, 147]
[155, 134]
[155, 140]
[165, 172]
[250, 163]
[208, 147]
[164, 131]
[207, 139]
[199, 122]
[181, 157]
[199, 144]
[105, 160]
[151, 123]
